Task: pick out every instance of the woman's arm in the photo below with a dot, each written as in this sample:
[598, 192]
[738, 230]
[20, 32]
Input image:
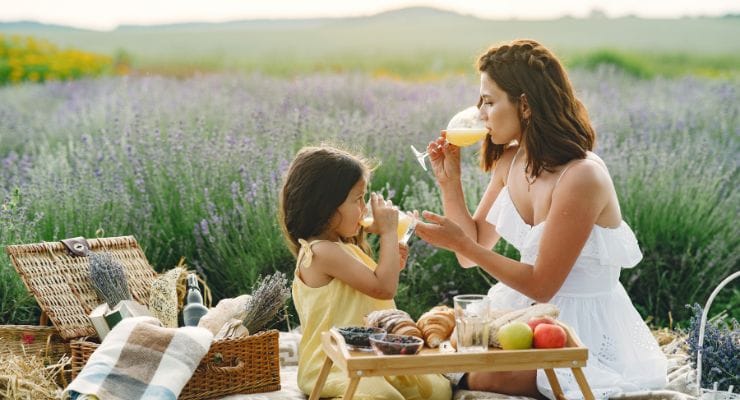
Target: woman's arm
[478, 228]
[577, 202]
[445, 159]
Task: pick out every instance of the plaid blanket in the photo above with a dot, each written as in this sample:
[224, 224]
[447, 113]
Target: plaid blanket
[140, 359]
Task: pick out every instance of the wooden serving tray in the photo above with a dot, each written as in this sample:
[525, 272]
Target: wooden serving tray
[361, 364]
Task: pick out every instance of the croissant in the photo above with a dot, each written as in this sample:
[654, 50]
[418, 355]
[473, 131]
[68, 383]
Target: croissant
[397, 322]
[436, 325]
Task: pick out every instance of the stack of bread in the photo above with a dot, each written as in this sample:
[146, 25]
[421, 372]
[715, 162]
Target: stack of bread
[434, 326]
[397, 322]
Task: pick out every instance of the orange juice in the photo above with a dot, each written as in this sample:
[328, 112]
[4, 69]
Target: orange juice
[403, 223]
[465, 136]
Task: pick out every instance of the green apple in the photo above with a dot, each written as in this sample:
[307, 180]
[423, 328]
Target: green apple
[515, 336]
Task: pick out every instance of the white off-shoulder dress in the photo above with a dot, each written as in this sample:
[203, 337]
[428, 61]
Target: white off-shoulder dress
[623, 354]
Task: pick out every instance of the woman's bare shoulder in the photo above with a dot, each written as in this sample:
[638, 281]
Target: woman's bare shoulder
[588, 175]
[595, 158]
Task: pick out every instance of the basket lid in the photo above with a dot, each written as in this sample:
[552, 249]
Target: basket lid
[61, 284]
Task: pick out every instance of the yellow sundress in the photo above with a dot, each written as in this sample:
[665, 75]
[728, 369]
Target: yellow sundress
[338, 304]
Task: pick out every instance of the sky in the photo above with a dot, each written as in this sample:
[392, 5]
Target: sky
[107, 14]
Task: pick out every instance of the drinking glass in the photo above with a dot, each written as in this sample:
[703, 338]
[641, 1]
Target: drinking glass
[406, 223]
[464, 129]
[472, 322]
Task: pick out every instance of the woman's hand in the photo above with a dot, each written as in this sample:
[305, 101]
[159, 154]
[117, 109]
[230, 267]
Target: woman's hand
[385, 215]
[403, 250]
[441, 232]
[445, 159]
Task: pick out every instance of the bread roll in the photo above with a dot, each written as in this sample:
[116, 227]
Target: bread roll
[436, 325]
[397, 322]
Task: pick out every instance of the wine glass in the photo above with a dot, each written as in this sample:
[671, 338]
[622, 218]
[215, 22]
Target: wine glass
[406, 223]
[464, 129]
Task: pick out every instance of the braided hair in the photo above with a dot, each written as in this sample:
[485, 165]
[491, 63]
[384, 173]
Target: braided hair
[558, 129]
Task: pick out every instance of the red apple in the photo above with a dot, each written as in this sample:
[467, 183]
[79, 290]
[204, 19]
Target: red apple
[549, 336]
[534, 321]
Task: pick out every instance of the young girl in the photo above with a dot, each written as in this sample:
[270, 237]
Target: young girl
[336, 282]
[552, 198]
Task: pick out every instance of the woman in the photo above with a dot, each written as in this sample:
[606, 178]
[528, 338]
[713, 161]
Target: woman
[553, 199]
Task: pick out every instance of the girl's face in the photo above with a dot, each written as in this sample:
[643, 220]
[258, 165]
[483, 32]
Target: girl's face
[346, 220]
[499, 114]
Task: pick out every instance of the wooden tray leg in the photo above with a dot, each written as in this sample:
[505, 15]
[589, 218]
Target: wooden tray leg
[583, 384]
[350, 392]
[321, 379]
[554, 384]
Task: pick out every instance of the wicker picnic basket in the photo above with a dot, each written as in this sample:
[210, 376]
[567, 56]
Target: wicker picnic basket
[33, 340]
[59, 280]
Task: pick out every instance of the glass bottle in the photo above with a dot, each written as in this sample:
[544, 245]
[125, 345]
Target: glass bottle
[194, 308]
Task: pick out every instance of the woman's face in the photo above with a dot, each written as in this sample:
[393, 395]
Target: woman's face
[499, 114]
[346, 220]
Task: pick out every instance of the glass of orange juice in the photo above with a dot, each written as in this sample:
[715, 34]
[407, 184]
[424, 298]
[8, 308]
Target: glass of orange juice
[406, 223]
[464, 129]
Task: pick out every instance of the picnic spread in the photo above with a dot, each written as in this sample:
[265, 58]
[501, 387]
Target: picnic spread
[149, 356]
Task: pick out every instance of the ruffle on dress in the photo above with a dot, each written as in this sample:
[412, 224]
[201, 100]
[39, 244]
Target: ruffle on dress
[612, 247]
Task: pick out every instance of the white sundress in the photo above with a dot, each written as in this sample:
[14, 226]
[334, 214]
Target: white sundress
[623, 354]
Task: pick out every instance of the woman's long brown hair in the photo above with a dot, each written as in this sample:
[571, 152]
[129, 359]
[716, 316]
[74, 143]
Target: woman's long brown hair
[559, 129]
[316, 184]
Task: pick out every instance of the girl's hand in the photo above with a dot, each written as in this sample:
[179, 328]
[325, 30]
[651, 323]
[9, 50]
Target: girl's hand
[441, 232]
[404, 252]
[445, 159]
[385, 215]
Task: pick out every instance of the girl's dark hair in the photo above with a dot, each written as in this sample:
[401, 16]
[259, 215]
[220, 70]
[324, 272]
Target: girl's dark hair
[559, 129]
[317, 183]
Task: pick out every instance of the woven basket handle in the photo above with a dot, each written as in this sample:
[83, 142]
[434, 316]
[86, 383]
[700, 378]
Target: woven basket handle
[240, 365]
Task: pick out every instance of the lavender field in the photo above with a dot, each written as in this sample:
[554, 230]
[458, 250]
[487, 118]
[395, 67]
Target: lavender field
[192, 169]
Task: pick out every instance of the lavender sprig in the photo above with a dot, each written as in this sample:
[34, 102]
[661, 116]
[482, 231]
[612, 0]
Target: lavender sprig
[269, 295]
[108, 278]
[721, 347]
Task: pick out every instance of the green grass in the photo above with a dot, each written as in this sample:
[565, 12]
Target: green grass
[413, 43]
[647, 65]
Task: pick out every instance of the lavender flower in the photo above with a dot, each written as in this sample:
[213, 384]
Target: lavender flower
[269, 295]
[181, 154]
[720, 350]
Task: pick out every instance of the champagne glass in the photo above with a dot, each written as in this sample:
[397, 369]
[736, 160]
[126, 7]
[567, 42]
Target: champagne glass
[406, 223]
[464, 129]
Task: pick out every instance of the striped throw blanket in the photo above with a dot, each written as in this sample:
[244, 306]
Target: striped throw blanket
[140, 359]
